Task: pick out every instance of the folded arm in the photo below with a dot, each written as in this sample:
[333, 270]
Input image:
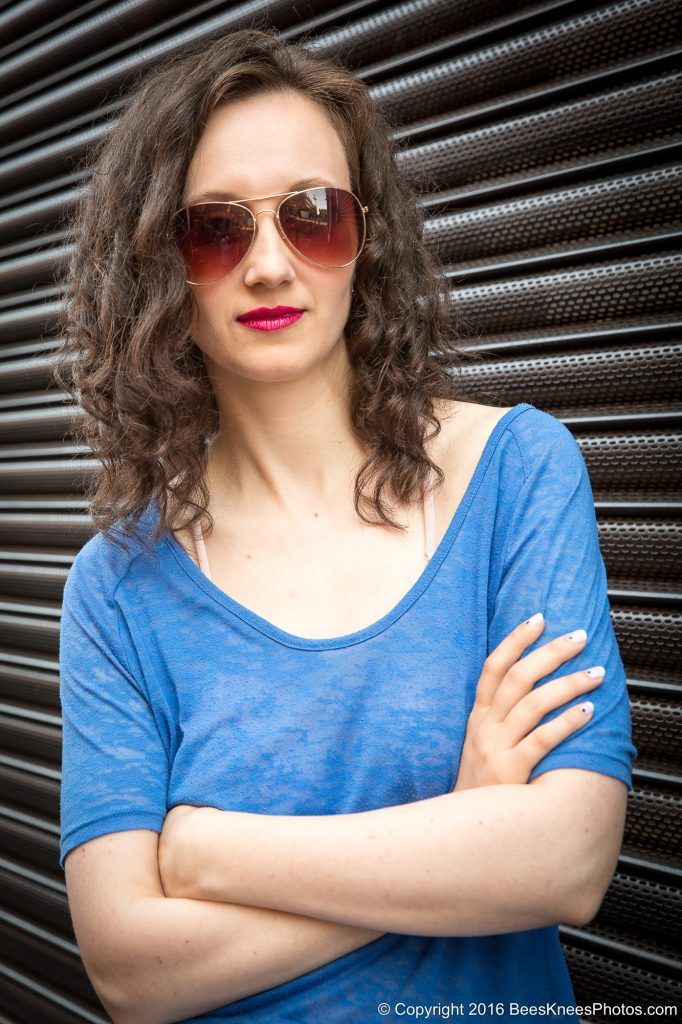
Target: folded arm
[155, 959]
[485, 861]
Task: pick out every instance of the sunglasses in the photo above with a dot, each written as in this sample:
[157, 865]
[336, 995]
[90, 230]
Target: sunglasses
[324, 225]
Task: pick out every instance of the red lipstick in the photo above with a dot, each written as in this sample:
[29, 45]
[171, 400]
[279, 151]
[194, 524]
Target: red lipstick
[270, 318]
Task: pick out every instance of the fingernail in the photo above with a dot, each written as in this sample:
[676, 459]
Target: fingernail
[577, 636]
[596, 672]
[587, 707]
[534, 619]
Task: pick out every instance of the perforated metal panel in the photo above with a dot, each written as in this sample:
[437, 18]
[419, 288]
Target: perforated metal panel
[545, 140]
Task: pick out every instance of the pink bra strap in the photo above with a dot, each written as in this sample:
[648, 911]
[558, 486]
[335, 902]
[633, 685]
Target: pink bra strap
[200, 548]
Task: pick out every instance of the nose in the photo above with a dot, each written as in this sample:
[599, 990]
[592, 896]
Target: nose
[269, 260]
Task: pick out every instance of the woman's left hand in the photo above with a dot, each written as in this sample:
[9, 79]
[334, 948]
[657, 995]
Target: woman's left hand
[174, 849]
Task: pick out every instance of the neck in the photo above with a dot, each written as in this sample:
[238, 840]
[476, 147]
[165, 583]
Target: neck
[286, 444]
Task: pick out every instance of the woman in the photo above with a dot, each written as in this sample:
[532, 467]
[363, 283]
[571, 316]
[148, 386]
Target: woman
[283, 687]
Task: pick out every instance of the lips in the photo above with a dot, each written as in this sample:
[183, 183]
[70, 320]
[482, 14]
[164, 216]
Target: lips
[270, 319]
[269, 313]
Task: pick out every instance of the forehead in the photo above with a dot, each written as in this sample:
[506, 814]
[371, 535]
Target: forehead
[265, 144]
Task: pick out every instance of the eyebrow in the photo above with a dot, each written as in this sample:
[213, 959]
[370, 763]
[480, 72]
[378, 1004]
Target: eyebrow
[206, 197]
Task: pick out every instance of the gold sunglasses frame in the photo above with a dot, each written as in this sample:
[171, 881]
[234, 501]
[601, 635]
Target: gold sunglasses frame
[280, 229]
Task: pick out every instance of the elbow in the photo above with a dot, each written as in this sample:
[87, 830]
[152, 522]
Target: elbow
[126, 1003]
[103, 977]
[589, 891]
[586, 911]
[112, 1002]
[123, 1008]
[122, 1013]
[118, 988]
[582, 906]
[129, 977]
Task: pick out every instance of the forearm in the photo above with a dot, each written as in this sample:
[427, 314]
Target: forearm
[184, 957]
[484, 861]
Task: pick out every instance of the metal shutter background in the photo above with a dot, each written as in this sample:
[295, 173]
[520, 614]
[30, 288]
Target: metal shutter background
[546, 139]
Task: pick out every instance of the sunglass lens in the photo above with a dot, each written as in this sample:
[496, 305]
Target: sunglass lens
[324, 224]
[213, 240]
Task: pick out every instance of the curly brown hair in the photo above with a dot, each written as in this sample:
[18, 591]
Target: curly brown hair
[128, 359]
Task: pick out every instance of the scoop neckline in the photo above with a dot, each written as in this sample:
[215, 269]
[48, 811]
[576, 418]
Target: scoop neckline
[287, 639]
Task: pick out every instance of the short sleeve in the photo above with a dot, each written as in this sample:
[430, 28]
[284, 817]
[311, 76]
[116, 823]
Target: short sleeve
[553, 564]
[114, 764]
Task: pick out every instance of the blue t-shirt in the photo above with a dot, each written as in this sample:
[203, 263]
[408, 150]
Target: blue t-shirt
[174, 693]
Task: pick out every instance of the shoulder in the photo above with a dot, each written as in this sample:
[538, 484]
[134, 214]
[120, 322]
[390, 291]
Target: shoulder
[533, 428]
[465, 428]
[97, 570]
[92, 634]
[535, 447]
[453, 415]
[536, 433]
[458, 448]
[547, 448]
[529, 424]
[451, 412]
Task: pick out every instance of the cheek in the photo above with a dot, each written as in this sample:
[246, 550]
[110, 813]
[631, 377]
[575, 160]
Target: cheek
[208, 334]
[333, 301]
[330, 319]
[208, 315]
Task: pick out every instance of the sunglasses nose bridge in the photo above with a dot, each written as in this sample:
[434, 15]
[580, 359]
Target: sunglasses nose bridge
[278, 225]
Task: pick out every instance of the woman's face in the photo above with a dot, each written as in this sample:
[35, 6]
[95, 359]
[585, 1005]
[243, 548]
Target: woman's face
[257, 147]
